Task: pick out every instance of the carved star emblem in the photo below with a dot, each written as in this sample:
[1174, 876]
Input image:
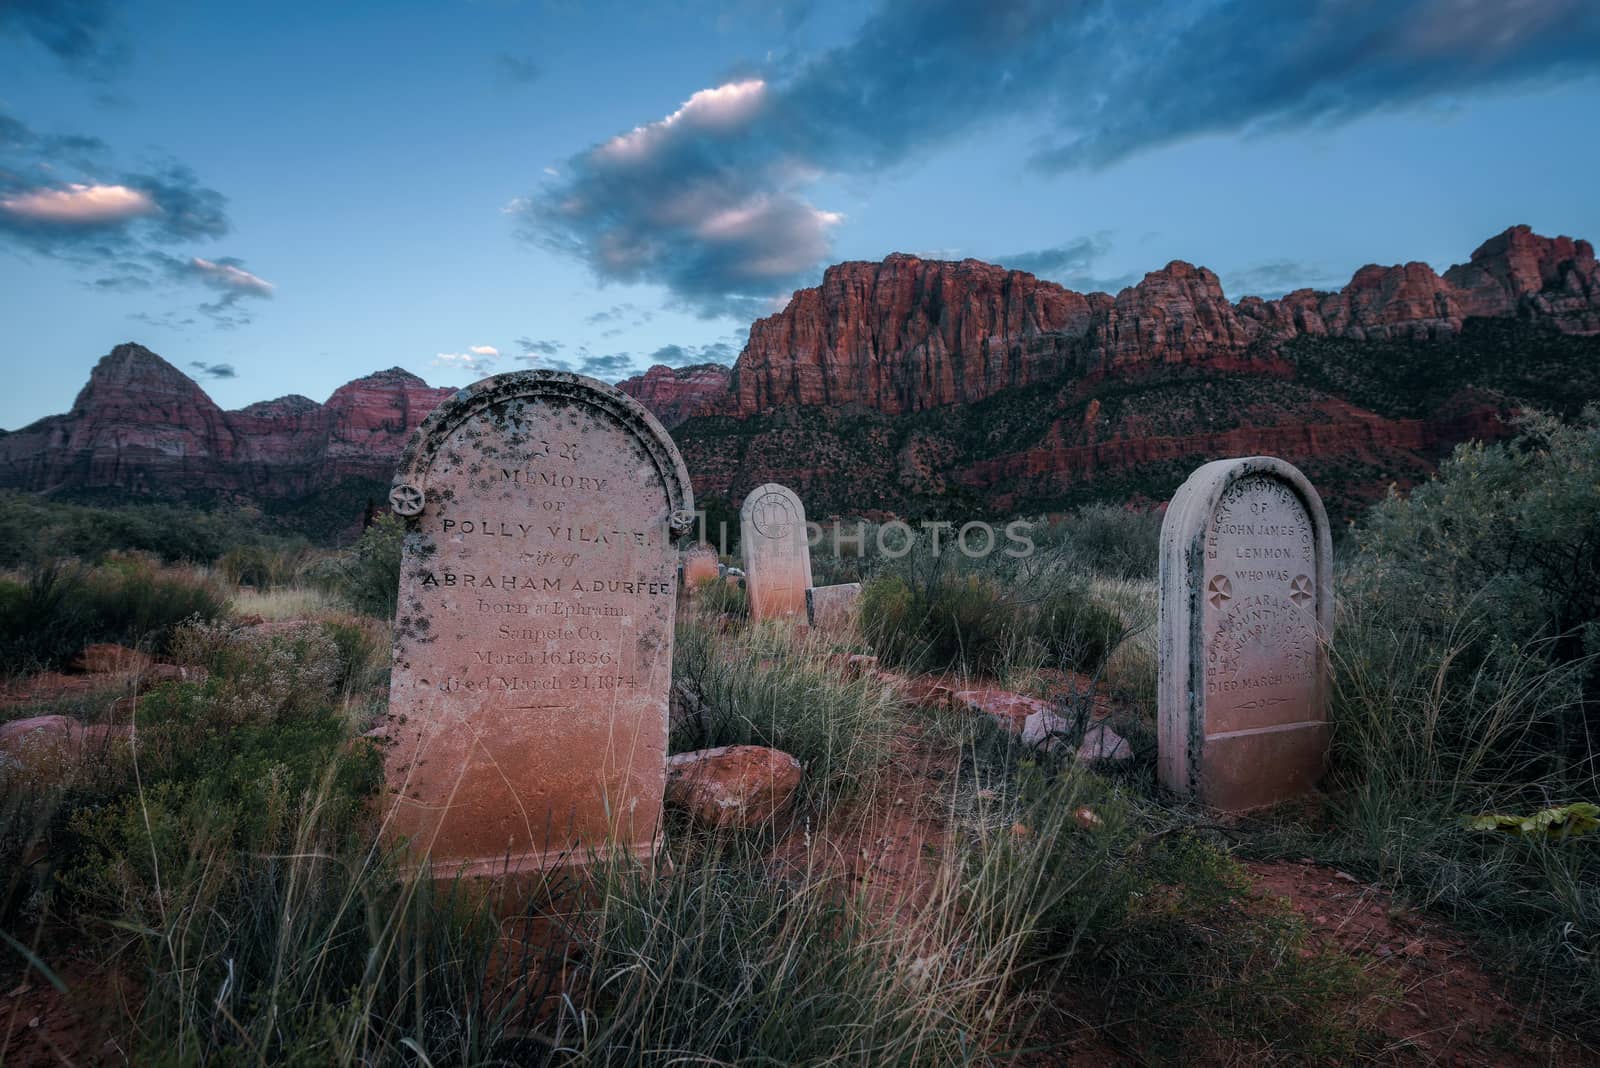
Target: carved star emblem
[1300, 590]
[1220, 591]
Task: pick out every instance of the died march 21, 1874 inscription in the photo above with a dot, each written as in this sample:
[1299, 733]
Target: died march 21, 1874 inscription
[533, 637]
[1245, 612]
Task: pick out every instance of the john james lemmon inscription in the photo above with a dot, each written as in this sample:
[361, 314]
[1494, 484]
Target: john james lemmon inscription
[533, 637]
[1246, 609]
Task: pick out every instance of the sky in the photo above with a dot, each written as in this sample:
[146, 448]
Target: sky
[278, 198]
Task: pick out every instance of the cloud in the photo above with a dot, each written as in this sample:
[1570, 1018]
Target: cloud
[612, 367]
[516, 70]
[721, 352]
[477, 360]
[712, 201]
[65, 197]
[1272, 280]
[78, 204]
[80, 33]
[1071, 264]
[531, 348]
[214, 370]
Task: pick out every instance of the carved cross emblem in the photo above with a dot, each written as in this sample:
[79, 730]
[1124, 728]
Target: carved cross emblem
[1220, 591]
[1300, 590]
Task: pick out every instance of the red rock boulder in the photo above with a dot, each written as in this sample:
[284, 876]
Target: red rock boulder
[733, 786]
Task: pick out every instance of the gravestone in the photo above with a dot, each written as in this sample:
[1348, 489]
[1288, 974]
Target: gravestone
[533, 638]
[777, 560]
[1246, 608]
[700, 566]
[833, 607]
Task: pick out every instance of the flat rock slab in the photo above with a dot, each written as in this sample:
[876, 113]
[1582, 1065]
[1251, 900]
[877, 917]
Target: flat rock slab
[108, 659]
[733, 786]
[833, 607]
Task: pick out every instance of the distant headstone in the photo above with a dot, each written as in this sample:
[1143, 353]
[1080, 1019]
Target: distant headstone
[832, 607]
[533, 639]
[700, 566]
[1246, 609]
[777, 560]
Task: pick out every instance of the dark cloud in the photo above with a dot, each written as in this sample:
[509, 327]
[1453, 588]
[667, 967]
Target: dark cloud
[65, 197]
[616, 365]
[517, 70]
[531, 348]
[214, 370]
[80, 33]
[689, 355]
[1272, 280]
[1071, 264]
[711, 202]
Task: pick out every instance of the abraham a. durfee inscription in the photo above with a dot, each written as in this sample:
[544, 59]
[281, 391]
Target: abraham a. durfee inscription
[1246, 607]
[533, 639]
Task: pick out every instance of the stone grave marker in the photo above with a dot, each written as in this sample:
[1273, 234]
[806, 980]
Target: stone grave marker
[832, 607]
[700, 566]
[1246, 608]
[533, 638]
[777, 560]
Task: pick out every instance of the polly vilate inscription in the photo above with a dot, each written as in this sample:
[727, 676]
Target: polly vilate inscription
[533, 643]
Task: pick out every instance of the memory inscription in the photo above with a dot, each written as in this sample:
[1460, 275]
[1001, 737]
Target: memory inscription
[533, 640]
[1246, 605]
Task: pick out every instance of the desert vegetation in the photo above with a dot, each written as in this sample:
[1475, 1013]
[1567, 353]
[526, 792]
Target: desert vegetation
[202, 877]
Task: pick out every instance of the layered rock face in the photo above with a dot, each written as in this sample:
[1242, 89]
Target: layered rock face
[674, 393]
[905, 345]
[908, 334]
[143, 426]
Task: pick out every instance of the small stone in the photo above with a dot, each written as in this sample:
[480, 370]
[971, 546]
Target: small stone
[1102, 744]
[1346, 876]
[1088, 819]
[1020, 830]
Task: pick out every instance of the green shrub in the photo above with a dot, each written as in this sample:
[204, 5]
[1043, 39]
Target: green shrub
[757, 689]
[1117, 898]
[60, 608]
[1077, 634]
[954, 622]
[368, 576]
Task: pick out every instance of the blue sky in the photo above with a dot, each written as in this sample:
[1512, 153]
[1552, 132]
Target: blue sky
[279, 198]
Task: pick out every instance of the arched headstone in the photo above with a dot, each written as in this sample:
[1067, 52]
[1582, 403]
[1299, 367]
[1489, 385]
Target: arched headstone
[1246, 610]
[533, 639]
[777, 560]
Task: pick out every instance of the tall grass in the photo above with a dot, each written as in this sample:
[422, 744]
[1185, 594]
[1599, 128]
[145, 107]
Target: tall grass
[770, 688]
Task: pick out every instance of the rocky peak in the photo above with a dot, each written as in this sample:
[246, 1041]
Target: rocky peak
[674, 393]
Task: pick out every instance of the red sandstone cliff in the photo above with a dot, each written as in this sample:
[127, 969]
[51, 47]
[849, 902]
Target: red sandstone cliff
[675, 393]
[908, 334]
[900, 336]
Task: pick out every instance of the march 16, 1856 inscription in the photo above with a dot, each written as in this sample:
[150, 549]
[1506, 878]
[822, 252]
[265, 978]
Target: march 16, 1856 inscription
[777, 556]
[533, 636]
[1245, 613]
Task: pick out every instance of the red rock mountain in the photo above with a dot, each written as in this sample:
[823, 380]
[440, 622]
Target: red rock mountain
[913, 385]
[143, 426]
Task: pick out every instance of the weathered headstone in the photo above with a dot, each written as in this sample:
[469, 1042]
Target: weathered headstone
[833, 607]
[1245, 613]
[777, 560]
[699, 566]
[533, 639]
